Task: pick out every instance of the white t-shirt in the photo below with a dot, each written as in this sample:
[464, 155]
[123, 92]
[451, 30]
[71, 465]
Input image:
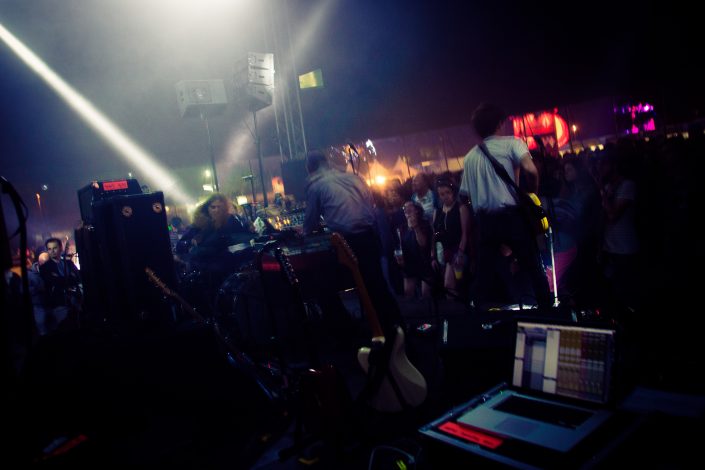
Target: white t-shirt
[427, 203]
[487, 191]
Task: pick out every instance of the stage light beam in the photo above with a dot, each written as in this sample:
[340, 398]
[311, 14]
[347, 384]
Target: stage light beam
[110, 132]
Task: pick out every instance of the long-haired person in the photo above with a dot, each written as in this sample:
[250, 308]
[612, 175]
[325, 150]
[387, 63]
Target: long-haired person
[451, 230]
[205, 245]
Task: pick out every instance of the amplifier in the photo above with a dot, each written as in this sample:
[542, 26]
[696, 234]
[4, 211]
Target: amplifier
[129, 234]
[100, 190]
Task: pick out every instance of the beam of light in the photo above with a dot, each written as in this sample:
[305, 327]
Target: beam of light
[241, 147]
[112, 134]
[306, 33]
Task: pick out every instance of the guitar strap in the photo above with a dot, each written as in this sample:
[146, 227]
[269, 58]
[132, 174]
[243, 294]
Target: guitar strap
[501, 172]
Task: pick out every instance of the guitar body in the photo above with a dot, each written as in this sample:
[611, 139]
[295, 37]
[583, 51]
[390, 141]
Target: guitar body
[409, 380]
[410, 384]
[542, 224]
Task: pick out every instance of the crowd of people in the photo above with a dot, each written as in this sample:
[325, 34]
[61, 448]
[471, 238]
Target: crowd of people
[461, 235]
[54, 284]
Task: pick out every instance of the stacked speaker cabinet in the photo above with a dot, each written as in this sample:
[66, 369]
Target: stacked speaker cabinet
[129, 234]
[253, 80]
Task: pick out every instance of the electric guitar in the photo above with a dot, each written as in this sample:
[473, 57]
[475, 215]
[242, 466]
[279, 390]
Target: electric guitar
[407, 387]
[542, 224]
[152, 276]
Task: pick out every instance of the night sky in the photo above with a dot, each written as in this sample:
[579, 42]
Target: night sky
[389, 67]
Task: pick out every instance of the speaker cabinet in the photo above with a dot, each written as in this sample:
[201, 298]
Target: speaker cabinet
[196, 96]
[98, 190]
[130, 234]
[253, 80]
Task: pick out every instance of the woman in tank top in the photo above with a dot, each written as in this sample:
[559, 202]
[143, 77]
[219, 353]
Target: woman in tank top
[451, 239]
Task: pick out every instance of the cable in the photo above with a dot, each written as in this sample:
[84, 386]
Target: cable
[410, 459]
[19, 205]
[22, 219]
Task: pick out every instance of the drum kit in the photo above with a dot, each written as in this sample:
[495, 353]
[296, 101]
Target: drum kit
[249, 301]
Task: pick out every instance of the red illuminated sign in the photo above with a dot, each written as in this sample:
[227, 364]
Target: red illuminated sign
[469, 434]
[549, 126]
[114, 185]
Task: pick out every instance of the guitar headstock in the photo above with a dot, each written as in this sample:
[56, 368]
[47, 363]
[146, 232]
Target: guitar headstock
[346, 256]
[152, 276]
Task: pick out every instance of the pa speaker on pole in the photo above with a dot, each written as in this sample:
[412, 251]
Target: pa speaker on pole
[196, 97]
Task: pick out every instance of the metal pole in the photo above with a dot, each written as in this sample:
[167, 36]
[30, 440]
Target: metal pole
[39, 203]
[41, 213]
[571, 132]
[252, 184]
[445, 154]
[295, 80]
[281, 87]
[276, 87]
[259, 157]
[553, 268]
[210, 151]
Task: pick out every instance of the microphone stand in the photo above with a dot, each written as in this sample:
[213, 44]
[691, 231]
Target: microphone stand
[250, 178]
[552, 215]
[259, 157]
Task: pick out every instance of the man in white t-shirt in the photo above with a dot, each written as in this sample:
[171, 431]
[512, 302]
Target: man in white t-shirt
[498, 220]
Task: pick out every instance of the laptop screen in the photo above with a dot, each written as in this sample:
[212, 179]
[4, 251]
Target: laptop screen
[571, 361]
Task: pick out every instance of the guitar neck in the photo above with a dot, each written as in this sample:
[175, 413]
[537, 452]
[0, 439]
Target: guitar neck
[347, 258]
[170, 293]
[191, 311]
[370, 311]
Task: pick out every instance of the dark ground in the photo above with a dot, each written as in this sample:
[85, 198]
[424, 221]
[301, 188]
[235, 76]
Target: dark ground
[172, 399]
